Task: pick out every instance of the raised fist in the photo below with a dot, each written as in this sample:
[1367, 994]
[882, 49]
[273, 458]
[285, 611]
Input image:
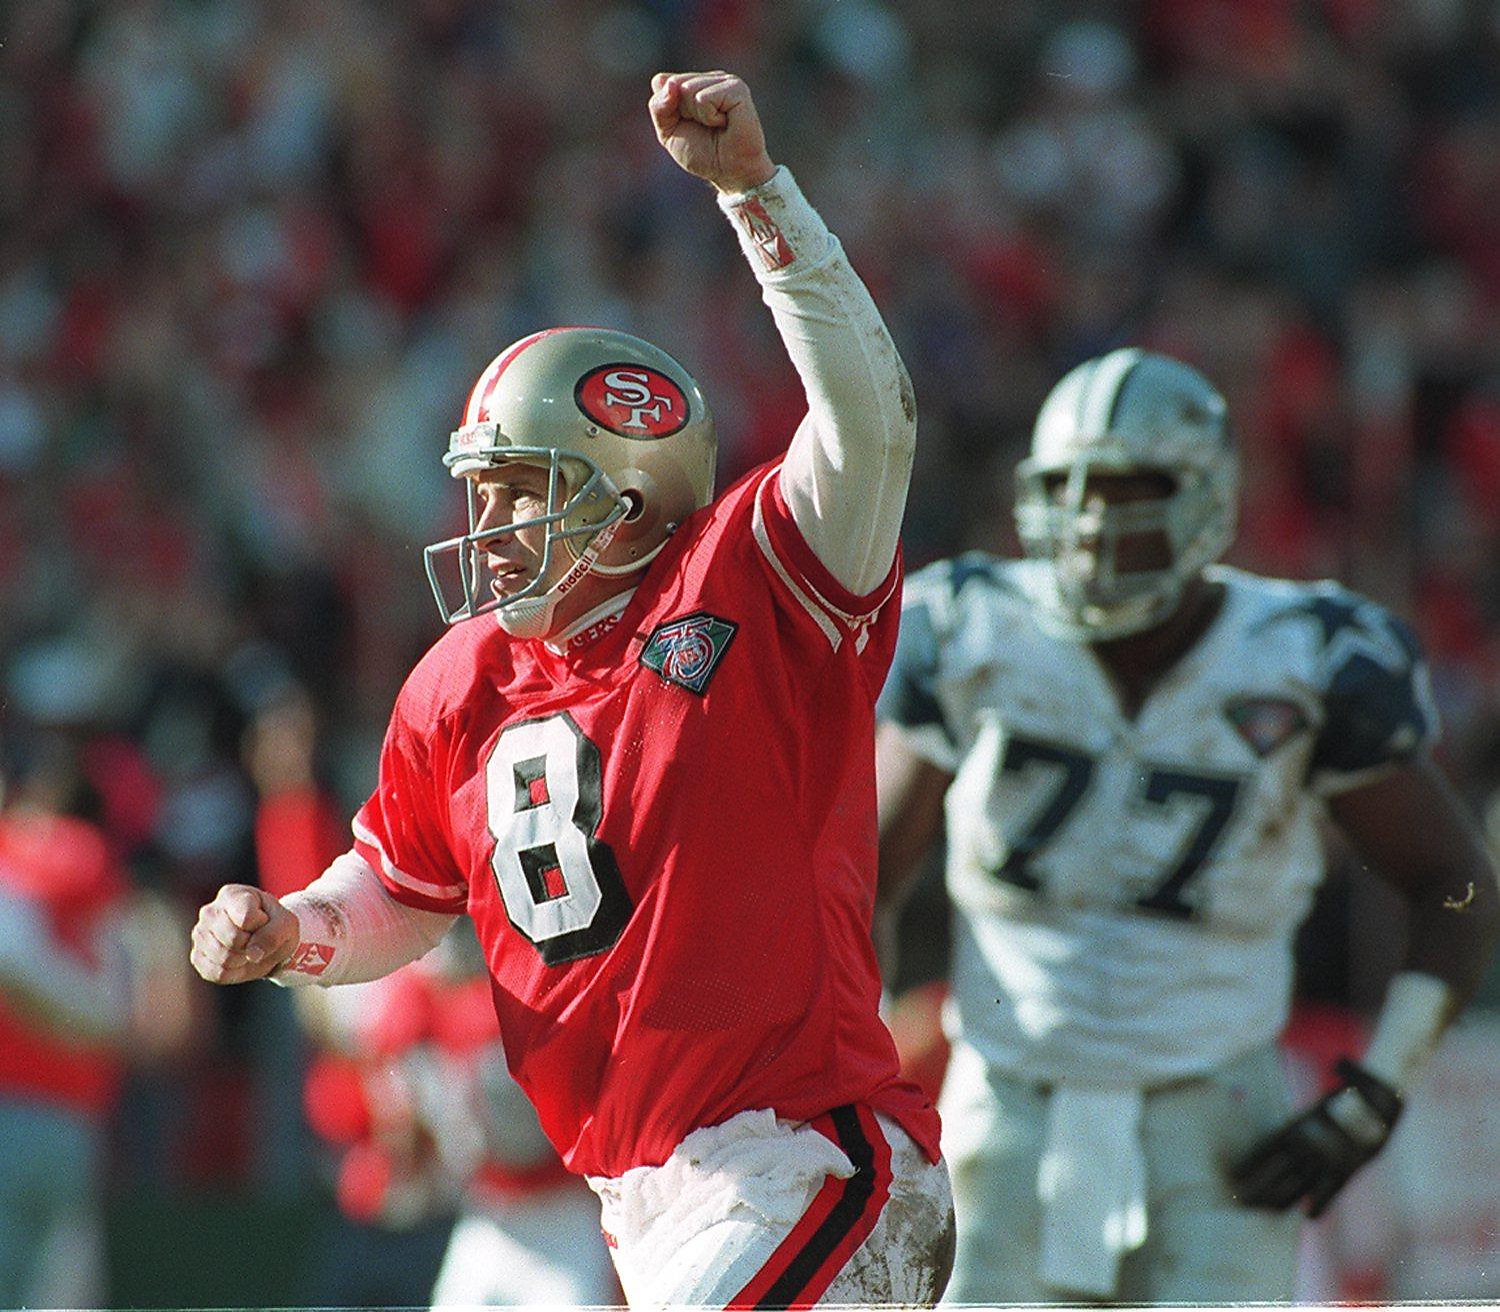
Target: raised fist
[243, 934]
[708, 124]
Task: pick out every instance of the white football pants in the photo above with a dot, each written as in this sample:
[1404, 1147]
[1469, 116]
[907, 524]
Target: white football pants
[1200, 1246]
[758, 1212]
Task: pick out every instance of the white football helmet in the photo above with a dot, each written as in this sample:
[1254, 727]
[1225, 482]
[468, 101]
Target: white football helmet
[628, 442]
[1130, 411]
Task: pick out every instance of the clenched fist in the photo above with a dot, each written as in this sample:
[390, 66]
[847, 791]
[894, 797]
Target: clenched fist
[708, 124]
[243, 934]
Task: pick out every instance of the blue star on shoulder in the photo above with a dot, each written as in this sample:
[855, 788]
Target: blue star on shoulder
[1347, 625]
[1331, 614]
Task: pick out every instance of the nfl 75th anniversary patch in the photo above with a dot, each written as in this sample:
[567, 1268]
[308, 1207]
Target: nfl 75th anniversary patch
[686, 651]
[1265, 722]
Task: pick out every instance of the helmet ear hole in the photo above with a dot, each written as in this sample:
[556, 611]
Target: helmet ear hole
[635, 504]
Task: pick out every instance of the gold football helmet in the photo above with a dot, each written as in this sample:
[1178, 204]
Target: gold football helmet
[628, 442]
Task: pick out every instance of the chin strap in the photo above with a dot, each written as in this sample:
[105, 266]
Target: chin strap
[1063, 622]
[614, 571]
[532, 616]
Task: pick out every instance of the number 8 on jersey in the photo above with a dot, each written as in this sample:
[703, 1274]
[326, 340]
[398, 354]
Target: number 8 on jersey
[560, 884]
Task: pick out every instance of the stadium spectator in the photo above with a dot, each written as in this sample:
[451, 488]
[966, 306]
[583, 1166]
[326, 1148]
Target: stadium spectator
[411, 1086]
[87, 982]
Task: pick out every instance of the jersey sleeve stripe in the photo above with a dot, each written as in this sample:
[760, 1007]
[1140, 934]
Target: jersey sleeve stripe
[369, 847]
[829, 604]
[850, 607]
[819, 615]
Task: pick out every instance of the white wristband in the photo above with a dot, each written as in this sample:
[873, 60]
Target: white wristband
[780, 232]
[1416, 1010]
[317, 943]
[352, 930]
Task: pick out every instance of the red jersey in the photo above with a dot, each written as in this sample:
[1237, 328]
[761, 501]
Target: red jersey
[666, 838]
[62, 865]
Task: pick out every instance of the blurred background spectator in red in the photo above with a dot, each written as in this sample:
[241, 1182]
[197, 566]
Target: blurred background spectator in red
[410, 1085]
[91, 979]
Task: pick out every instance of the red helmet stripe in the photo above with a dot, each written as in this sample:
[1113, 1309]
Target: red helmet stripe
[479, 398]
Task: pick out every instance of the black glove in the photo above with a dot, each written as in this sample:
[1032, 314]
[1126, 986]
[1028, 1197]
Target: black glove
[1314, 1154]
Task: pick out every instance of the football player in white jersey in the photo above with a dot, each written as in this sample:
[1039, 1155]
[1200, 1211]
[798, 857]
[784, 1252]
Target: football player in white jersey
[1132, 746]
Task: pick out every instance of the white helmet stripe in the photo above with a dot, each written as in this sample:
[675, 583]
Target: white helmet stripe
[1098, 399]
[480, 390]
[1131, 371]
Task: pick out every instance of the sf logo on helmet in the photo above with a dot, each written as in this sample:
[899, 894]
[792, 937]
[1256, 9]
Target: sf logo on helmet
[632, 400]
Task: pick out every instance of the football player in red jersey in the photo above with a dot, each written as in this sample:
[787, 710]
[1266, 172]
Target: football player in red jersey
[648, 777]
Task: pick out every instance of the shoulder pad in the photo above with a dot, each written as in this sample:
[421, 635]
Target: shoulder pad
[1377, 695]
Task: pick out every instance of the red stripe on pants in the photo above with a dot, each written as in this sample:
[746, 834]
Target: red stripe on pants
[839, 1219]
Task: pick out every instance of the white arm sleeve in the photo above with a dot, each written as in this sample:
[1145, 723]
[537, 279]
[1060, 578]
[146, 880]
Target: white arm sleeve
[353, 930]
[846, 472]
[1416, 1010]
[54, 988]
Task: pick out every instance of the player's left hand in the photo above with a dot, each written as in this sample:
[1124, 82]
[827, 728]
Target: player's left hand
[708, 123]
[1314, 1154]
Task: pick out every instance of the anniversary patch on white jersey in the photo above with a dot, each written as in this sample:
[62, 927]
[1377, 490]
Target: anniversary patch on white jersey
[1128, 888]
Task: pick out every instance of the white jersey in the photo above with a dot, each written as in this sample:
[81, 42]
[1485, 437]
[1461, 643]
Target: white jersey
[1127, 890]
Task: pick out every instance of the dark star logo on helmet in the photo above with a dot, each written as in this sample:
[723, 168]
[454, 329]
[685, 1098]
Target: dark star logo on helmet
[687, 651]
[632, 400]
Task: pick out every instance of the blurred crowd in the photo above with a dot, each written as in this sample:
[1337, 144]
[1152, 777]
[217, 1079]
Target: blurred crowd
[253, 253]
